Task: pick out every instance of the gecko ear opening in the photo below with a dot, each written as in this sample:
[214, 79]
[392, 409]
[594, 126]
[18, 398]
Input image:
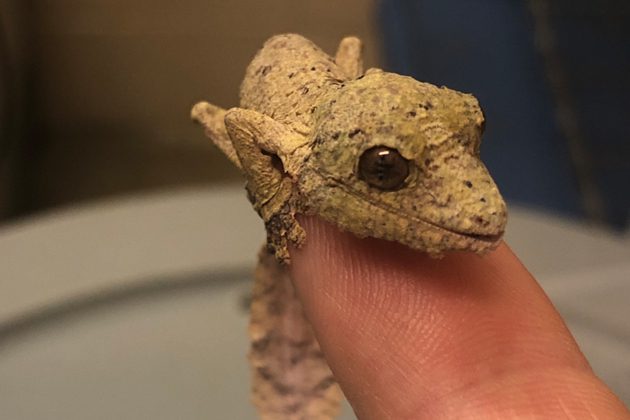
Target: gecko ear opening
[254, 134]
[276, 162]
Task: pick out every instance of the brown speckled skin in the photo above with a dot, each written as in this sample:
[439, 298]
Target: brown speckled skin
[304, 121]
[290, 375]
[449, 201]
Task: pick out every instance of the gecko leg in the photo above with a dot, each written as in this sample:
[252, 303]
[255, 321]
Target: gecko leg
[291, 379]
[260, 144]
[211, 117]
[349, 57]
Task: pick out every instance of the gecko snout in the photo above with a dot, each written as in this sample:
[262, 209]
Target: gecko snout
[483, 215]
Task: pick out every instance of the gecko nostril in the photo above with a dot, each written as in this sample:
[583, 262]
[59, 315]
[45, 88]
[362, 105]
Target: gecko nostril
[468, 184]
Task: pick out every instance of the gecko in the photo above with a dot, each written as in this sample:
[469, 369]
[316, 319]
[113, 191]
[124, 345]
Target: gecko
[375, 153]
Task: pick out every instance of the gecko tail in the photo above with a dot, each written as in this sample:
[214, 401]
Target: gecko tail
[291, 379]
[211, 117]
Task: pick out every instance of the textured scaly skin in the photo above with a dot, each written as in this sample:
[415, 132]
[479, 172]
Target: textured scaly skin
[291, 379]
[304, 122]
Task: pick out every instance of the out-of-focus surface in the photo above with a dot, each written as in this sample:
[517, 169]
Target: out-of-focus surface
[101, 90]
[133, 308]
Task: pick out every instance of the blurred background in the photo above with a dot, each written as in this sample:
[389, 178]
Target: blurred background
[125, 239]
[96, 94]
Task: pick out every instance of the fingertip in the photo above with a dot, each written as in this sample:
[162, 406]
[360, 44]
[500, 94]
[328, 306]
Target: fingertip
[402, 330]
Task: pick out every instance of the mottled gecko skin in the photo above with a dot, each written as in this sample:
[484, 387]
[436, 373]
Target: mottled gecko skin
[375, 153]
[290, 375]
[447, 202]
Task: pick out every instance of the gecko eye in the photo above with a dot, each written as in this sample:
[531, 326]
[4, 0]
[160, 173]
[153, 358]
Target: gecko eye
[383, 168]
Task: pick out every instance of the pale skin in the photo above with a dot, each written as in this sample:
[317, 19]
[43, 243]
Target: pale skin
[461, 337]
[377, 154]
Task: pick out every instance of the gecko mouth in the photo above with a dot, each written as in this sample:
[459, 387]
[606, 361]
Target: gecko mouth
[488, 239]
[478, 237]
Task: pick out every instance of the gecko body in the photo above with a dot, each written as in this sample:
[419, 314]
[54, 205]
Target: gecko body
[377, 154]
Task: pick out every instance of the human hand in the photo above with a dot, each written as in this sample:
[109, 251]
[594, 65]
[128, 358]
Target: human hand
[410, 337]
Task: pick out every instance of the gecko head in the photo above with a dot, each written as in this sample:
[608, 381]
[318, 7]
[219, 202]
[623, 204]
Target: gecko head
[398, 159]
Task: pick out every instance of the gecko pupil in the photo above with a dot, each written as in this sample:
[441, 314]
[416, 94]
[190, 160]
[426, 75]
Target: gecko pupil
[383, 168]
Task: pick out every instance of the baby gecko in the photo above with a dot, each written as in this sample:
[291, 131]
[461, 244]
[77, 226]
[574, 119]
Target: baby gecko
[375, 153]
